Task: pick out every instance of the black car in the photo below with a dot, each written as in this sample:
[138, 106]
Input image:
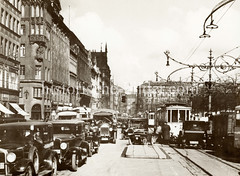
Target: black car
[92, 135]
[195, 133]
[138, 130]
[69, 143]
[26, 148]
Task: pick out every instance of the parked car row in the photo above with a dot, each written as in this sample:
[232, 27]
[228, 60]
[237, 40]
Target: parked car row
[42, 148]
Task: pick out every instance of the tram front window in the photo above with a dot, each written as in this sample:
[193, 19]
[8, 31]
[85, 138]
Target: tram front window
[175, 116]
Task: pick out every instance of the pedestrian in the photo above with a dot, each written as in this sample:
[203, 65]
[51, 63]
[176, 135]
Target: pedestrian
[166, 133]
[159, 134]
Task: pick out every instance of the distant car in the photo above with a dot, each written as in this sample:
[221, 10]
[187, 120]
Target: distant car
[107, 128]
[69, 143]
[26, 148]
[138, 130]
[92, 135]
[195, 133]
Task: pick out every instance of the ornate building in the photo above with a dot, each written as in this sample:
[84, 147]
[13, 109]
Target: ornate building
[152, 95]
[9, 53]
[105, 84]
[44, 57]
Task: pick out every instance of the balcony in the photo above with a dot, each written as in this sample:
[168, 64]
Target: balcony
[38, 39]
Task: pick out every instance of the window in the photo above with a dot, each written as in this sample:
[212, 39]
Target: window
[20, 92]
[23, 30]
[22, 50]
[41, 29]
[36, 29]
[1, 77]
[2, 16]
[37, 11]
[174, 115]
[22, 69]
[38, 72]
[23, 11]
[32, 29]
[37, 92]
[32, 11]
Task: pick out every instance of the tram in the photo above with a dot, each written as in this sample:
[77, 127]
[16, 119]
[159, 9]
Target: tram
[226, 131]
[174, 115]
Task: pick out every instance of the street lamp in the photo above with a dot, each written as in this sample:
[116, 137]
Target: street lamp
[212, 25]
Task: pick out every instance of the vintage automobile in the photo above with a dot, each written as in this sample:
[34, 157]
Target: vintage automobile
[107, 124]
[138, 130]
[92, 135]
[69, 143]
[26, 148]
[195, 133]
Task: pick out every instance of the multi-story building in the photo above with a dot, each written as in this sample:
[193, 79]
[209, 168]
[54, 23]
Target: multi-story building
[96, 80]
[151, 95]
[44, 57]
[131, 104]
[80, 73]
[102, 64]
[10, 16]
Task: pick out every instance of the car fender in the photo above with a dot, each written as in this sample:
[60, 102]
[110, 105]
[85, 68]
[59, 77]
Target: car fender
[21, 165]
[71, 151]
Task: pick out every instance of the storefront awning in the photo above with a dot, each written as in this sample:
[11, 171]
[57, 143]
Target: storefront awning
[5, 110]
[18, 109]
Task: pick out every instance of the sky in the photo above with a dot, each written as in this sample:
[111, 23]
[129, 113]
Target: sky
[138, 32]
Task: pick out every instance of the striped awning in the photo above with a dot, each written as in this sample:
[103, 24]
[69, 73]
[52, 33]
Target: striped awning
[18, 109]
[5, 110]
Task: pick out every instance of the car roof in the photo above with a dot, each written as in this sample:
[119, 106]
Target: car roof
[25, 124]
[67, 122]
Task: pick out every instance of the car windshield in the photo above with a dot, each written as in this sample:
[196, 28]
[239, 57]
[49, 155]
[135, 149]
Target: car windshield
[138, 124]
[66, 129]
[13, 135]
[195, 126]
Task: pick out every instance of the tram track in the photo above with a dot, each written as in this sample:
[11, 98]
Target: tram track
[188, 159]
[207, 172]
[220, 160]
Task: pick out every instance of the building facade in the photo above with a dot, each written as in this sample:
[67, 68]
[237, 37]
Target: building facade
[9, 52]
[152, 95]
[44, 57]
[105, 84]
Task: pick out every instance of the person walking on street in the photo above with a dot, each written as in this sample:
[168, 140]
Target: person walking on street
[159, 133]
[166, 133]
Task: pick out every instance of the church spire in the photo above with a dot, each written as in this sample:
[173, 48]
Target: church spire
[106, 48]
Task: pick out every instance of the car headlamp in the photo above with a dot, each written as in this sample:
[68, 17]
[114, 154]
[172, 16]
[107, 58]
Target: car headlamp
[11, 157]
[63, 146]
[110, 129]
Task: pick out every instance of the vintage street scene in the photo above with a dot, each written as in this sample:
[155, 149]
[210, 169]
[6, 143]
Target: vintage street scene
[119, 88]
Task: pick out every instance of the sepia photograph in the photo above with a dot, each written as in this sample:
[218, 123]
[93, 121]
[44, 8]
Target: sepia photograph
[119, 87]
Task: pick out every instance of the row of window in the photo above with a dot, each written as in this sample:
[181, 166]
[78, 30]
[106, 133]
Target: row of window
[38, 71]
[16, 4]
[36, 11]
[8, 80]
[9, 21]
[37, 92]
[8, 48]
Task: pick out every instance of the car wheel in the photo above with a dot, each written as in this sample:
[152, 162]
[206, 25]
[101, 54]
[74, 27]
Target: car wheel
[29, 171]
[145, 142]
[74, 161]
[35, 161]
[54, 166]
[90, 149]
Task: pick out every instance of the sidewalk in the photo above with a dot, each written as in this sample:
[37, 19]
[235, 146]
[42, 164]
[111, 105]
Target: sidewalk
[154, 151]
